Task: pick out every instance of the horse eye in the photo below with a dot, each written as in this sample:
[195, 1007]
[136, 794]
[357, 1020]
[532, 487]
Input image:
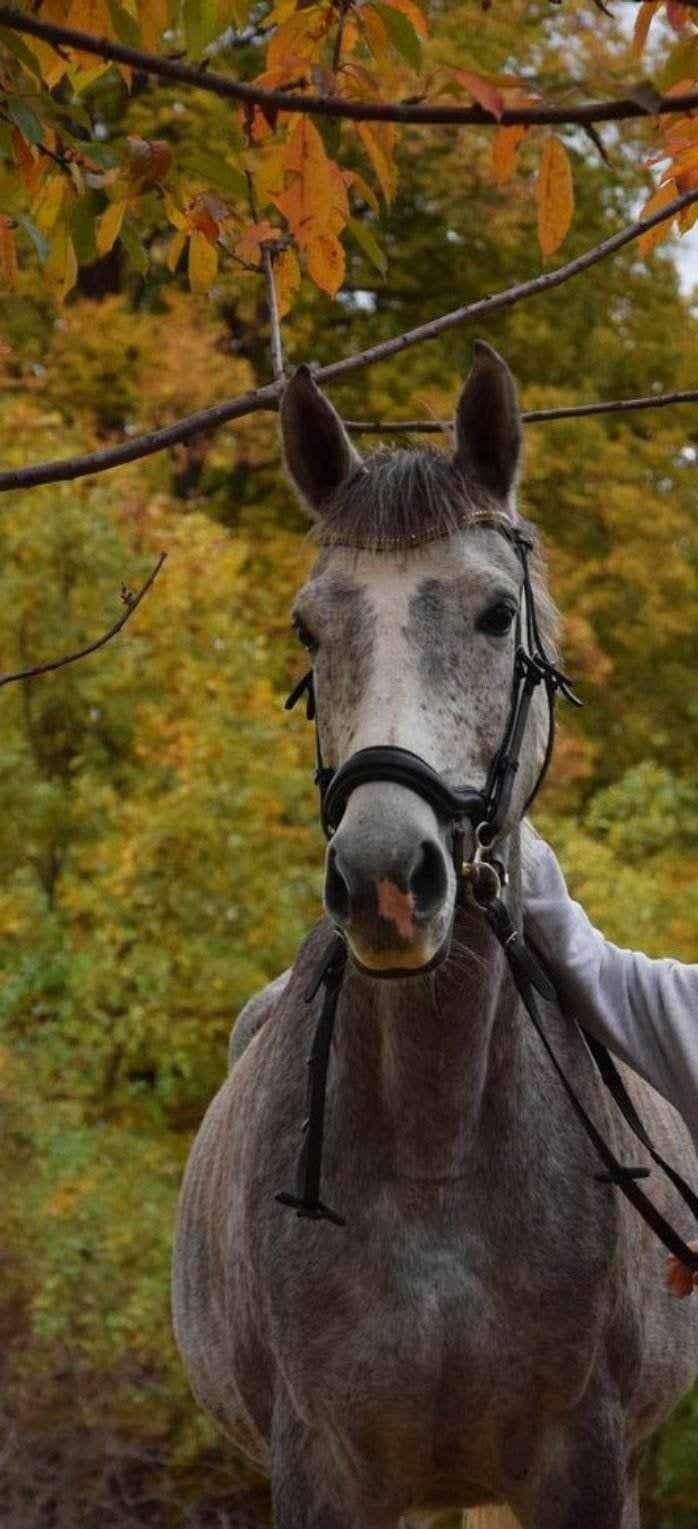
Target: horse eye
[304, 635]
[497, 619]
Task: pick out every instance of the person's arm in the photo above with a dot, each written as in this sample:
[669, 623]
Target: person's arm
[645, 1011]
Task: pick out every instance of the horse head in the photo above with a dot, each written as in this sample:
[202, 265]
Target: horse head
[412, 617]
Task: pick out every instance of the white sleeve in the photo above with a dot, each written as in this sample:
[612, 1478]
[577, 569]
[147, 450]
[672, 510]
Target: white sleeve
[645, 1011]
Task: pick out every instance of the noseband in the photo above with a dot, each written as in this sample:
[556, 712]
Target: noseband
[486, 811]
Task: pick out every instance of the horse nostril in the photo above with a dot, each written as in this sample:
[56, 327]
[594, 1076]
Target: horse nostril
[428, 881]
[337, 900]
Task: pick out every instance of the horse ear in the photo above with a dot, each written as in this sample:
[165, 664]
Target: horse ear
[488, 423]
[318, 452]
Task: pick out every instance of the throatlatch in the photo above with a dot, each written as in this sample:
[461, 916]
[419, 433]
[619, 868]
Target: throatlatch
[486, 811]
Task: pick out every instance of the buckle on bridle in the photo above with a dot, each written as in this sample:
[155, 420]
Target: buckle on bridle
[484, 875]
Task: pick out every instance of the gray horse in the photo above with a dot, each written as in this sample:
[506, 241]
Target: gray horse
[490, 1326]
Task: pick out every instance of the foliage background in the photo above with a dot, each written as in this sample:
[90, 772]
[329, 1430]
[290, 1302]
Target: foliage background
[160, 852]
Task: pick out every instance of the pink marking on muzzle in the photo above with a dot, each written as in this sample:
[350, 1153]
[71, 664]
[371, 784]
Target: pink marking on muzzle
[398, 907]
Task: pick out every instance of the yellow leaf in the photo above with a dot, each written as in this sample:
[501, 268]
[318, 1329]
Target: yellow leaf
[654, 236]
[287, 279]
[61, 267]
[8, 253]
[109, 226]
[174, 250]
[174, 213]
[48, 202]
[326, 263]
[554, 195]
[688, 217]
[643, 22]
[300, 39]
[378, 139]
[505, 148]
[376, 35]
[203, 263]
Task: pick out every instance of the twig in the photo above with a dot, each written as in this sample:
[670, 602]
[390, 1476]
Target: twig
[267, 397]
[338, 106]
[131, 603]
[529, 416]
[275, 340]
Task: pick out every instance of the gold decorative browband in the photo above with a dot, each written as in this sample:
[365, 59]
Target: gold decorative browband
[497, 519]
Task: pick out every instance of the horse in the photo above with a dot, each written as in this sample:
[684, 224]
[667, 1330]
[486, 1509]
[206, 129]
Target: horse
[486, 1327]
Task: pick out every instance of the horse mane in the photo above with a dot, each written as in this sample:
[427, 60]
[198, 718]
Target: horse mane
[399, 499]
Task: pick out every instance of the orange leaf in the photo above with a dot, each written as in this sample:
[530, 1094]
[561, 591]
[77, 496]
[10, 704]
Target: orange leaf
[287, 279]
[8, 253]
[505, 150]
[482, 90]
[326, 263]
[654, 236]
[314, 200]
[676, 14]
[376, 35]
[154, 17]
[554, 195]
[378, 139]
[643, 22]
[148, 160]
[206, 214]
[27, 161]
[249, 245]
[299, 40]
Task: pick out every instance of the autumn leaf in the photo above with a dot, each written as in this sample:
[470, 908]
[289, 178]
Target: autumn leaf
[401, 32]
[661, 198]
[378, 139]
[249, 245]
[314, 200]
[154, 17]
[505, 148]
[414, 14]
[109, 225]
[554, 195]
[174, 249]
[8, 253]
[147, 160]
[643, 22]
[482, 90]
[676, 14]
[287, 279]
[326, 263]
[203, 263]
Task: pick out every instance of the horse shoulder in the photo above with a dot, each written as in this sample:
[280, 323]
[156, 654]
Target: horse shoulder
[254, 1015]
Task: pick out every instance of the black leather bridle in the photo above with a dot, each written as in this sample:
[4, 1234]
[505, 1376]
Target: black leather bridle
[486, 812]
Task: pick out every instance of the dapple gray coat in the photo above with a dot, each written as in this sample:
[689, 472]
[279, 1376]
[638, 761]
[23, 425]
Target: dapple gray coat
[491, 1325]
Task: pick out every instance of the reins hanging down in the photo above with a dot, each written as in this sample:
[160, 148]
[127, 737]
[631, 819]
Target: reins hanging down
[486, 811]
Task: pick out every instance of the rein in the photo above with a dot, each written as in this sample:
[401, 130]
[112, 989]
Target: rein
[481, 879]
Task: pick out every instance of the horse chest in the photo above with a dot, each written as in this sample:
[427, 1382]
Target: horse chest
[424, 1321]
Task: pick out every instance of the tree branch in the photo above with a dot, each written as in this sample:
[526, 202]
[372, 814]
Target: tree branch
[275, 341]
[337, 106]
[268, 397]
[131, 603]
[529, 417]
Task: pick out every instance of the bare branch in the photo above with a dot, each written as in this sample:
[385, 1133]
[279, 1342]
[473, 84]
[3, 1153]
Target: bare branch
[337, 106]
[268, 397]
[529, 417]
[131, 603]
[275, 341]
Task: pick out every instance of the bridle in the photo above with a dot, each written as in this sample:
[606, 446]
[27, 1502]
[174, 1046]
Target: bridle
[480, 880]
[486, 809]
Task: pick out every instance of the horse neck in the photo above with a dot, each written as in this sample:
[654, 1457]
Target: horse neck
[415, 1060]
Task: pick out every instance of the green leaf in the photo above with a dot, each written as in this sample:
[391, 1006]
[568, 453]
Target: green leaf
[83, 217]
[216, 172]
[25, 120]
[361, 233]
[125, 25]
[401, 33]
[200, 24]
[14, 44]
[135, 250]
[35, 234]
